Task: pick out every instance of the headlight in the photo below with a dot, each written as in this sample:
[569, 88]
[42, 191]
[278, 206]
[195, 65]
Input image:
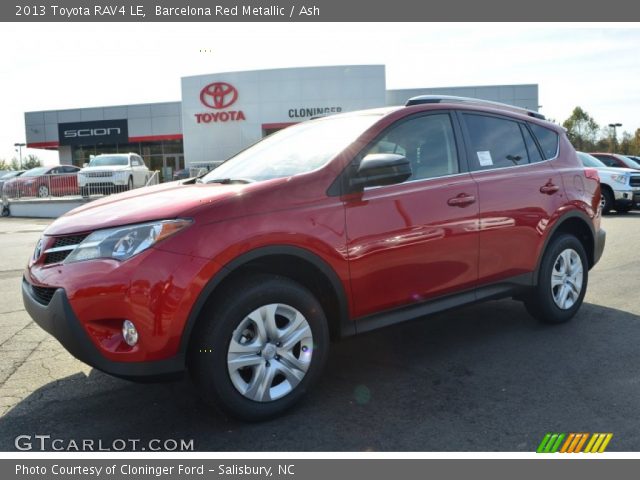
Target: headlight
[122, 243]
[620, 178]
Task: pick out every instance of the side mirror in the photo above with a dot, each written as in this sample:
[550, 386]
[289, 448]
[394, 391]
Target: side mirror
[377, 169]
[85, 165]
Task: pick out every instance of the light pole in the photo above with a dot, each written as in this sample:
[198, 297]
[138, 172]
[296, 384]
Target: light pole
[20, 145]
[615, 135]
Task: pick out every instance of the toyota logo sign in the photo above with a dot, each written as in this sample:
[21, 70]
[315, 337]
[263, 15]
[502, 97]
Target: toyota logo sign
[218, 95]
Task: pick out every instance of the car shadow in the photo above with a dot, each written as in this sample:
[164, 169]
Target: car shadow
[486, 377]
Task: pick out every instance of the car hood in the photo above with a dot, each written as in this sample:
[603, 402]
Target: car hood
[110, 168]
[169, 200]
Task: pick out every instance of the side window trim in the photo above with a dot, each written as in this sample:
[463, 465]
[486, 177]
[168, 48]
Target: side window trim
[524, 126]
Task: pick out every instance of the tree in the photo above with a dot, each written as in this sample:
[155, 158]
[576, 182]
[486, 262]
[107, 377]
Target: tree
[4, 165]
[625, 146]
[31, 161]
[582, 130]
[15, 165]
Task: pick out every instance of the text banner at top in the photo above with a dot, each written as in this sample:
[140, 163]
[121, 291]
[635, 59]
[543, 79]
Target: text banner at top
[317, 11]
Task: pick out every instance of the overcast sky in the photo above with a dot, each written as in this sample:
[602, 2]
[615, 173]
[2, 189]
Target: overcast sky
[58, 66]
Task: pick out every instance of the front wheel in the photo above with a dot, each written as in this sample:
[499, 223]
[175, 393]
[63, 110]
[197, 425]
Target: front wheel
[43, 191]
[260, 349]
[562, 281]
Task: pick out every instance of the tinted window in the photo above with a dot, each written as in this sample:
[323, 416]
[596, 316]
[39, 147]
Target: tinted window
[428, 143]
[532, 148]
[589, 161]
[548, 140]
[495, 142]
[607, 160]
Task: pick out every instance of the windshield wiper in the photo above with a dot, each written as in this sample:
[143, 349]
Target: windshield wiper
[229, 181]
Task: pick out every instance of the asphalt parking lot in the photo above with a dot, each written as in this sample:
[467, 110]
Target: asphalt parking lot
[486, 377]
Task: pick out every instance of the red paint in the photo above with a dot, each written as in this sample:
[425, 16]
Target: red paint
[155, 138]
[389, 246]
[272, 126]
[43, 145]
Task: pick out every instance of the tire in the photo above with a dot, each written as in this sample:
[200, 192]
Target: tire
[43, 191]
[130, 184]
[84, 192]
[225, 326]
[545, 302]
[607, 201]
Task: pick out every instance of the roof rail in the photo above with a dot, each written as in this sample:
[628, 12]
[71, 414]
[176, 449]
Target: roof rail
[421, 99]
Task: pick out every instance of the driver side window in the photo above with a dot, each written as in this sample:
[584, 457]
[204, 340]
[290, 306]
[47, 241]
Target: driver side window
[428, 142]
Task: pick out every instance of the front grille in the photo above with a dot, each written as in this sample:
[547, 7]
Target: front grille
[57, 257]
[97, 174]
[68, 240]
[634, 181]
[43, 294]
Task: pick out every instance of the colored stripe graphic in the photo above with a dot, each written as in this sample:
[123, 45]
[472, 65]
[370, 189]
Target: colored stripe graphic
[598, 442]
[574, 442]
[550, 443]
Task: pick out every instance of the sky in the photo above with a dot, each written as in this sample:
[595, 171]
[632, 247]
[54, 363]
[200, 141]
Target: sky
[67, 65]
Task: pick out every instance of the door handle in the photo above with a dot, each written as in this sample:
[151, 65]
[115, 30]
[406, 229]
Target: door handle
[549, 188]
[461, 200]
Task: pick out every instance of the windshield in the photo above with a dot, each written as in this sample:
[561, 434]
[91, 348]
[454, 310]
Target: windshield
[35, 172]
[589, 161]
[629, 162]
[9, 175]
[298, 149]
[109, 161]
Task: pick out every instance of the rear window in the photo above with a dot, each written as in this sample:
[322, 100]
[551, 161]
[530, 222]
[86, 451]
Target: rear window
[548, 140]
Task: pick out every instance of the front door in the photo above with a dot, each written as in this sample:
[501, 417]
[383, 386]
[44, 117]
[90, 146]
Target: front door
[417, 240]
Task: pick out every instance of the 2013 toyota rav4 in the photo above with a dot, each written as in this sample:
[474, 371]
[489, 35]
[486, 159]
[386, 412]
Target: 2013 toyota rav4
[329, 228]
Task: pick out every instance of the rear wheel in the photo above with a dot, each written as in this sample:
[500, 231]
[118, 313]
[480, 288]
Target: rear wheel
[260, 348]
[562, 281]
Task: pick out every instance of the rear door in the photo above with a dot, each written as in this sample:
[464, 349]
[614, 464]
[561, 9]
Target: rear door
[519, 190]
[411, 242]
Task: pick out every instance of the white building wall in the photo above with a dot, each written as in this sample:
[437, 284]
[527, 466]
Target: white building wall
[525, 96]
[266, 97]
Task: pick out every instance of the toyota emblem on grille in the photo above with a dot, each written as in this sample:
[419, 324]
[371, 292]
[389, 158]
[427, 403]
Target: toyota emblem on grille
[218, 95]
[38, 250]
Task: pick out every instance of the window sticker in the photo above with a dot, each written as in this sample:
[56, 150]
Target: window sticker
[484, 158]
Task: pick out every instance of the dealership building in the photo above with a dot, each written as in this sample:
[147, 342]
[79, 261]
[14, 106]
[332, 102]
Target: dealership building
[221, 113]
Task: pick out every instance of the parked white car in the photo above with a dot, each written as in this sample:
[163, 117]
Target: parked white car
[112, 173]
[620, 186]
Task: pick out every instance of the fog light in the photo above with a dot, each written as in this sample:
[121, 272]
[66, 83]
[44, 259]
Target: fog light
[129, 333]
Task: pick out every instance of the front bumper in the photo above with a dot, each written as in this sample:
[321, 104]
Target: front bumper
[58, 319]
[627, 198]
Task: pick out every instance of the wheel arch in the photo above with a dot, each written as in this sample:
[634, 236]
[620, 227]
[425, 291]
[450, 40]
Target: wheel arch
[296, 263]
[576, 223]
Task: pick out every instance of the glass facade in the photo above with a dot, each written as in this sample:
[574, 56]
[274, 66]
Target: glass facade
[165, 153]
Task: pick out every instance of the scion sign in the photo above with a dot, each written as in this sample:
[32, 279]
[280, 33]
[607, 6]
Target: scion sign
[93, 133]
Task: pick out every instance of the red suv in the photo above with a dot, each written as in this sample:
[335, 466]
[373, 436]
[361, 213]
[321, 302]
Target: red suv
[326, 229]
